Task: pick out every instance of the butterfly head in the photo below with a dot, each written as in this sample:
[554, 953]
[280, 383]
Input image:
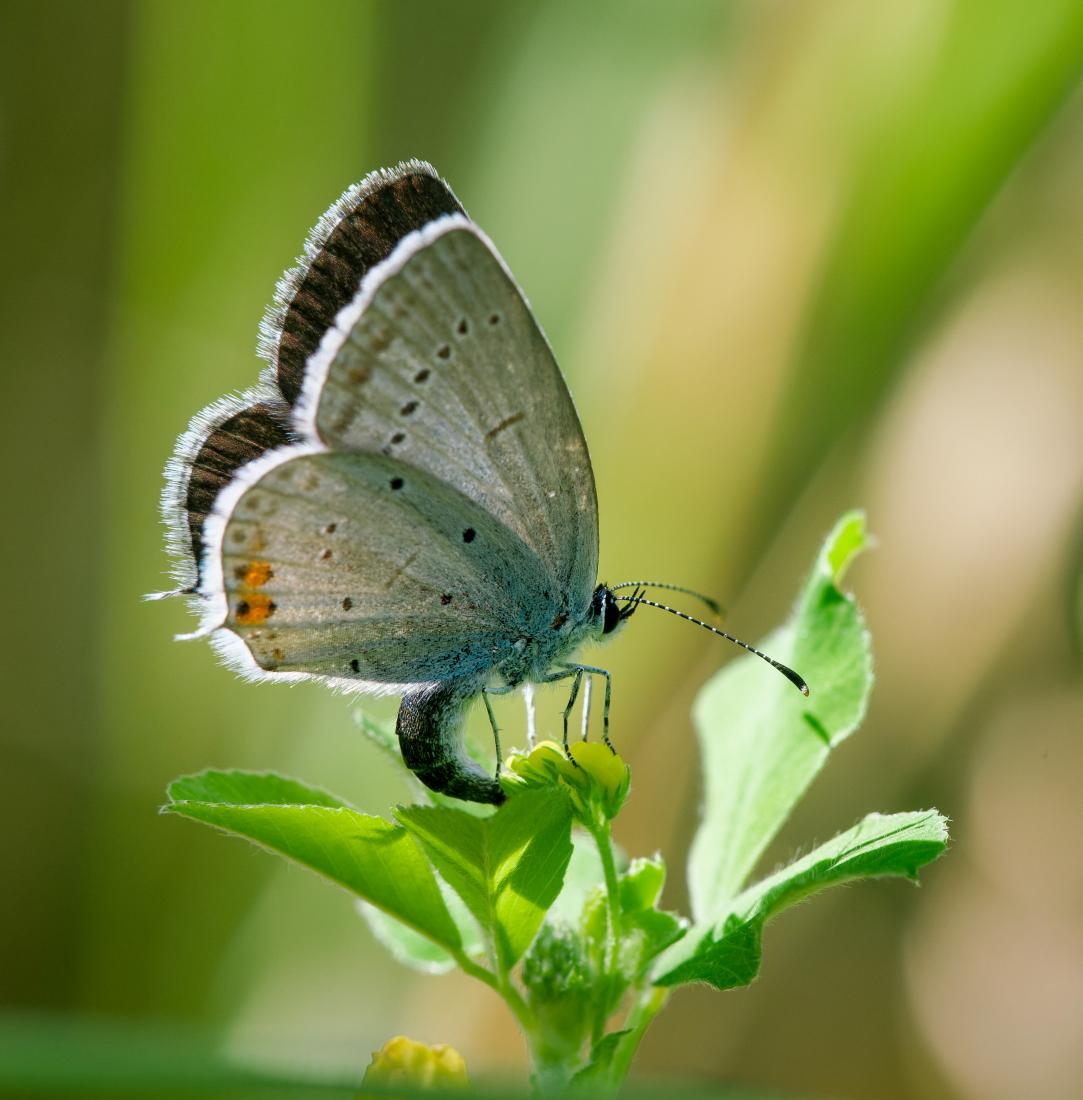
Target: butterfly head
[607, 612]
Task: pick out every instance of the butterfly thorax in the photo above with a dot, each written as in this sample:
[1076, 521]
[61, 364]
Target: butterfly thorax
[536, 655]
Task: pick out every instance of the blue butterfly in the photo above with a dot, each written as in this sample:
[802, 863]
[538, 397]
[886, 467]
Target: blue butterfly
[405, 502]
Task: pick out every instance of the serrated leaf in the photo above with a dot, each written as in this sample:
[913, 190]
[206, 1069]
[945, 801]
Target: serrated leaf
[372, 858]
[761, 741]
[240, 788]
[726, 952]
[507, 868]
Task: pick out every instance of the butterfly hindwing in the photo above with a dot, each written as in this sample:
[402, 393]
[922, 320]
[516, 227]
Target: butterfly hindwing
[438, 362]
[354, 566]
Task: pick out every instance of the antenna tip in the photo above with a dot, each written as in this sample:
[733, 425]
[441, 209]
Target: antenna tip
[797, 681]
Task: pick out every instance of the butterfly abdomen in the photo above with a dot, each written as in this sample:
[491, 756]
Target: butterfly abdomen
[430, 731]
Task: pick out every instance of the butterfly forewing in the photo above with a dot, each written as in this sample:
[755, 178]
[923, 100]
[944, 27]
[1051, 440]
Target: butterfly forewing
[439, 363]
[359, 231]
[356, 234]
[352, 565]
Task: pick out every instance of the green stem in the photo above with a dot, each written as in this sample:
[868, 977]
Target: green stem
[603, 839]
[500, 983]
[550, 1077]
[648, 1004]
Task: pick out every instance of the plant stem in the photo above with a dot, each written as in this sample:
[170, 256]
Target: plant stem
[648, 1004]
[550, 1077]
[502, 984]
[603, 839]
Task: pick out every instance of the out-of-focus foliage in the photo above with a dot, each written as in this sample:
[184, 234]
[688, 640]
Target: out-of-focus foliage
[790, 256]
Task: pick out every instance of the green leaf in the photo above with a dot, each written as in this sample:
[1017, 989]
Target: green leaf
[762, 742]
[374, 859]
[241, 788]
[381, 735]
[583, 875]
[598, 1075]
[404, 944]
[416, 951]
[507, 868]
[726, 952]
[645, 929]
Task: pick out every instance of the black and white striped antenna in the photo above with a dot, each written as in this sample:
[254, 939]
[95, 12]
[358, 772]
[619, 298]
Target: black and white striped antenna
[636, 600]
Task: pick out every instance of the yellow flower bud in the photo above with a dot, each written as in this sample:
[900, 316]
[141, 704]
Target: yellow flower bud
[403, 1061]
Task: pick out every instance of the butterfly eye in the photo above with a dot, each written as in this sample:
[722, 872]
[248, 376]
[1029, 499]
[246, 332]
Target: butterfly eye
[606, 608]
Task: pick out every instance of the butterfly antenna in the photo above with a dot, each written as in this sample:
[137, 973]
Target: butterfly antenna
[709, 603]
[634, 601]
[786, 671]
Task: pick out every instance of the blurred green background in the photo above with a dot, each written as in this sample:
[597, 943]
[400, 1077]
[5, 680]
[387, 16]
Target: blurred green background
[792, 257]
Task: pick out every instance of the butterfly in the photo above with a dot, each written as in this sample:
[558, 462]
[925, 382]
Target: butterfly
[405, 502]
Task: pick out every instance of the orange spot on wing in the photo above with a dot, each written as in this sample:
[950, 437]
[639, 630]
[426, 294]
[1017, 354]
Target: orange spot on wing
[255, 573]
[254, 609]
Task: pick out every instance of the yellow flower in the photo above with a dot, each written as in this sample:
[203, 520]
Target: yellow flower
[604, 767]
[402, 1061]
[596, 778]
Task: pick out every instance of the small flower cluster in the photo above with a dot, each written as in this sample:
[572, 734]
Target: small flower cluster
[595, 777]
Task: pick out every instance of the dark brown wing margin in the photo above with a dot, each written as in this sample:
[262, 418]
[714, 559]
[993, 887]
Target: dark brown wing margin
[238, 440]
[358, 232]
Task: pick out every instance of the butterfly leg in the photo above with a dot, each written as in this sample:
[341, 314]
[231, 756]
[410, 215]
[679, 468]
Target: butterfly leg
[485, 693]
[528, 699]
[577, 675]
[566, 672]
[588, 684]
[591, 670]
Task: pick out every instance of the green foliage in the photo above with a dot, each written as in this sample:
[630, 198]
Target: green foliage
[374, 859]
[507, 868]
[761, 742]
[534, 899]
[726, 952]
